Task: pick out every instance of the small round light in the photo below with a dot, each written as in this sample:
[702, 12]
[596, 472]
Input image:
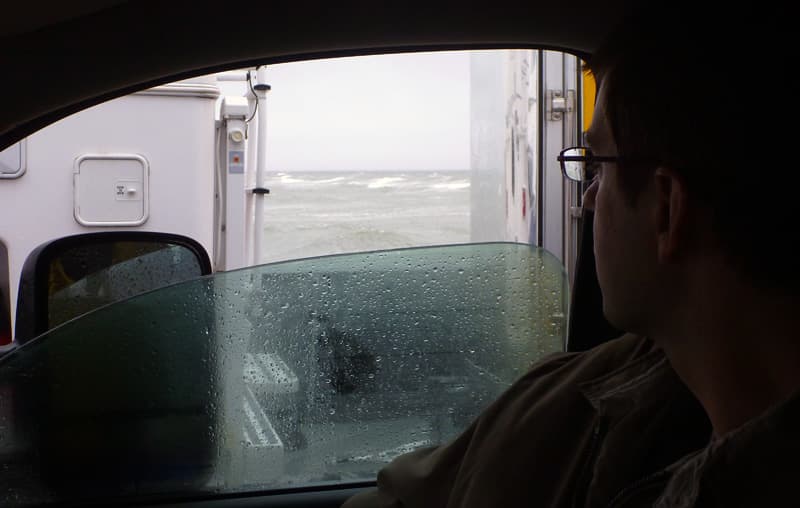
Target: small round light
[237, 136]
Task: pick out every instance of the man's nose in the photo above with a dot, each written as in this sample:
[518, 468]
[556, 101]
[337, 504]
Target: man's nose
[589, 196]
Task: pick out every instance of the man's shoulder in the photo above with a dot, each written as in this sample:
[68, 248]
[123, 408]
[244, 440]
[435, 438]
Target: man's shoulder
[559, 381]
[526, 445]
[599, 361]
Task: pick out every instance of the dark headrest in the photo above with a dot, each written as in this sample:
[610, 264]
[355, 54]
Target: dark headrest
[587, 325]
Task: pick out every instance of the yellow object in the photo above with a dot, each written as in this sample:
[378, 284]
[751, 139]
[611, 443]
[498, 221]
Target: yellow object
[589, 94]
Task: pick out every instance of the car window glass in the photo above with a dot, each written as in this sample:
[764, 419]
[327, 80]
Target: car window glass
[85, 277]
[293, 374]
[309, 371]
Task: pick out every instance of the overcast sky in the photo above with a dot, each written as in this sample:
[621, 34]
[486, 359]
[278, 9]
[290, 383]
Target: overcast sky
[386, 112]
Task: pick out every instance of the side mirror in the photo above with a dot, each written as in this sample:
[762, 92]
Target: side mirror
[70, 276]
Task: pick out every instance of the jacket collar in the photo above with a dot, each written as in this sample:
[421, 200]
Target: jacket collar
[650, 420]
[638, 382]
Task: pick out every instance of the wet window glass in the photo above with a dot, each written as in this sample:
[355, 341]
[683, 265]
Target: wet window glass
[298, 373]
[85, 277]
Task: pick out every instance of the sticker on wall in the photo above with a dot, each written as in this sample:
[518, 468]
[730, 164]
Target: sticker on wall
[236, 162]
[524, 201]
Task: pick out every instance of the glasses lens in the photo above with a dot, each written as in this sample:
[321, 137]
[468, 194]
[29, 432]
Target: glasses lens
[576, 169]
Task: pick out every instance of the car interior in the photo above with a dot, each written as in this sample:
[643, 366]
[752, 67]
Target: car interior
[62, 58]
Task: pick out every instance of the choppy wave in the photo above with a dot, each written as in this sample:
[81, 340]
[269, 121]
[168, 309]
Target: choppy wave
[310, 214]
[436, 181]
[388, 181]
[459, 185]
[290, 179]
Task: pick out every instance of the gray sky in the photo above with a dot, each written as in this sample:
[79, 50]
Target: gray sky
[386, 112]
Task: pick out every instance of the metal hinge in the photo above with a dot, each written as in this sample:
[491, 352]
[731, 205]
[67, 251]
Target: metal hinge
[558, 104]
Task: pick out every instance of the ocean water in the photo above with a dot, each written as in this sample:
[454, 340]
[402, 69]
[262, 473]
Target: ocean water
[318, 213]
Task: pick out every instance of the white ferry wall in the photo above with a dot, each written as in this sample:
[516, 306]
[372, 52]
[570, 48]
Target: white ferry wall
[503, 146]
[524, 110]
[165, 135]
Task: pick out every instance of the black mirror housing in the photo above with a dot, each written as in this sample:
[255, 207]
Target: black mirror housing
[64, 278]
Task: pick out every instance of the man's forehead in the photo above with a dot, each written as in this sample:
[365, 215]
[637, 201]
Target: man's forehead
[587, 138]
[598, 135]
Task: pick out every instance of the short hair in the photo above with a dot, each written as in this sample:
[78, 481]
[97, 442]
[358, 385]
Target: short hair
[705, 94]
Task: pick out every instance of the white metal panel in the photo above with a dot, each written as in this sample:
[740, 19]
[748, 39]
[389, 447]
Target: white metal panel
[552, 180]
[235, 162]
[111, 190]
[12, 160]
[572, 191]
[560, 130]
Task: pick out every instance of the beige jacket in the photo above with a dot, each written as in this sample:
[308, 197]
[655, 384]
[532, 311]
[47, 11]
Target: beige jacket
[591, 429]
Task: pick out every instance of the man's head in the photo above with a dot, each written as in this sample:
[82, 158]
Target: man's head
[688, 102]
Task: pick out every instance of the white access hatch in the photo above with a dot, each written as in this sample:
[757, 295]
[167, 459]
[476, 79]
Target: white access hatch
[111, 190]
[12, 160]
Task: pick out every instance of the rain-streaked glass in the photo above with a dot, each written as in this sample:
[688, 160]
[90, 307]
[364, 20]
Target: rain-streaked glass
[292, 374]
[85, 277]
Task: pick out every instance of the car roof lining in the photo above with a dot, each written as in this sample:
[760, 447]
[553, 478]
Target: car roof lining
[65, 67]
[23, 17]
[37, 123]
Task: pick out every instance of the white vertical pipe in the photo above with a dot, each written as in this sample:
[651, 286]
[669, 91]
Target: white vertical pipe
[261, 88]
[250, 174]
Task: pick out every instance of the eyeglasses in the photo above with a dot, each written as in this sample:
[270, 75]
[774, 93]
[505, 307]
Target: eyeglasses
[579, 164]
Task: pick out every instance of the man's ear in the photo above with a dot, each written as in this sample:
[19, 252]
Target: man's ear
[671, 213]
